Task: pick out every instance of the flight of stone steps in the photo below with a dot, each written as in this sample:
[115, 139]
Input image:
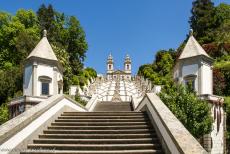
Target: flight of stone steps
[98, 133]
[113, 106]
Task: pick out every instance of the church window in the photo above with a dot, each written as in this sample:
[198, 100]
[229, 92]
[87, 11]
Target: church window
[127, 66]
[110, 67]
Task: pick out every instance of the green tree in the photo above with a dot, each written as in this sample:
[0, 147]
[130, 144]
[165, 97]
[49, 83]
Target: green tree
[92, 72]
[203, 20]
[46, 18]
[160, 71]
[190, 110]
[76, 44]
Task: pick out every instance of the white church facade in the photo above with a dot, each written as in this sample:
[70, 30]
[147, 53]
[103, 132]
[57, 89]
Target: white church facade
[124, 74]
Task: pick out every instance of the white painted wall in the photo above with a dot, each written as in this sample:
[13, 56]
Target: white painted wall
[217, 136]
[45, 70]
[42, 70]
[206, 79]
[27, 83]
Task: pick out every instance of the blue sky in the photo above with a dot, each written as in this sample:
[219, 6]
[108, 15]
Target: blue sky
[135, 27]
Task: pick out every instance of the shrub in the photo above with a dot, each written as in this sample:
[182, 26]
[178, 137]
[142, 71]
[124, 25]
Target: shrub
[188, 108]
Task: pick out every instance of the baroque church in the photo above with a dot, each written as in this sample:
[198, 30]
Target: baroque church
[121, 115]
[118, 74]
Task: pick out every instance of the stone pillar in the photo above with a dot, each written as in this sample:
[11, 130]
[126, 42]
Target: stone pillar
[34, 79]
[55, 83]
[207, 142]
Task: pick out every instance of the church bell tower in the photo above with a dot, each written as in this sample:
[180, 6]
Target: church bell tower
[127, 64]
[110, 66]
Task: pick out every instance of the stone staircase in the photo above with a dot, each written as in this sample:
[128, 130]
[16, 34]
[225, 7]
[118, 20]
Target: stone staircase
[98, 133]
[113, 106]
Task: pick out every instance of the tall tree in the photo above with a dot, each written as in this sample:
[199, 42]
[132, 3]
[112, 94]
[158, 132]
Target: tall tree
[203, 20]
[77, 44]
[46, 18]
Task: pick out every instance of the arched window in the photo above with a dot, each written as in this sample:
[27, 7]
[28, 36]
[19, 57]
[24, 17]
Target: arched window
[127, 67]
[110, 67]
[45, 85]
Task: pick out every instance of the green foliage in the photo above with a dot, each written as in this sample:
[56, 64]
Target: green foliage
[65, 33]
[4, 113]
[92, 72]
[190, 110]
[160, 72]
[222, 14]
[20, 33]
[10, 83]
[223, 63]
[46, 18]
[84, 76]
[76, 44]
[203, 20]
[79, 100]
[75, 80]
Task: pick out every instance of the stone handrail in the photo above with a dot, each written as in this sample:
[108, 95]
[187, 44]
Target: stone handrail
[174, 137]
[92, 102]
[14, 125]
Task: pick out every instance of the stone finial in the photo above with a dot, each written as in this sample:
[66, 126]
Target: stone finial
[44, 33]
[190, 32]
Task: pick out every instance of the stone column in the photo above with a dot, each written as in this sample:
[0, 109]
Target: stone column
[55, 83]
[207, 141]
[34, 79]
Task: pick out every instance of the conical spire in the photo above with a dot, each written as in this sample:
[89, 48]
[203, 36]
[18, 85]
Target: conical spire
[192, 48]
[43, 49]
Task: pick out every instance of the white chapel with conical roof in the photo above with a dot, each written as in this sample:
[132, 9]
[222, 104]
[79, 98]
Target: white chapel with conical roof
[195, 65]
[43, 74]
[42, 78]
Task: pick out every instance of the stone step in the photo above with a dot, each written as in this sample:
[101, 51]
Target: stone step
[98, 123]
[96, 141]
[100, 127]
[113, 107]
[135, 131]
[40, 151]
[98, 133]
[103, 113]
[101, 120]
[101, 117]
[95, 146]
[98, 136]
